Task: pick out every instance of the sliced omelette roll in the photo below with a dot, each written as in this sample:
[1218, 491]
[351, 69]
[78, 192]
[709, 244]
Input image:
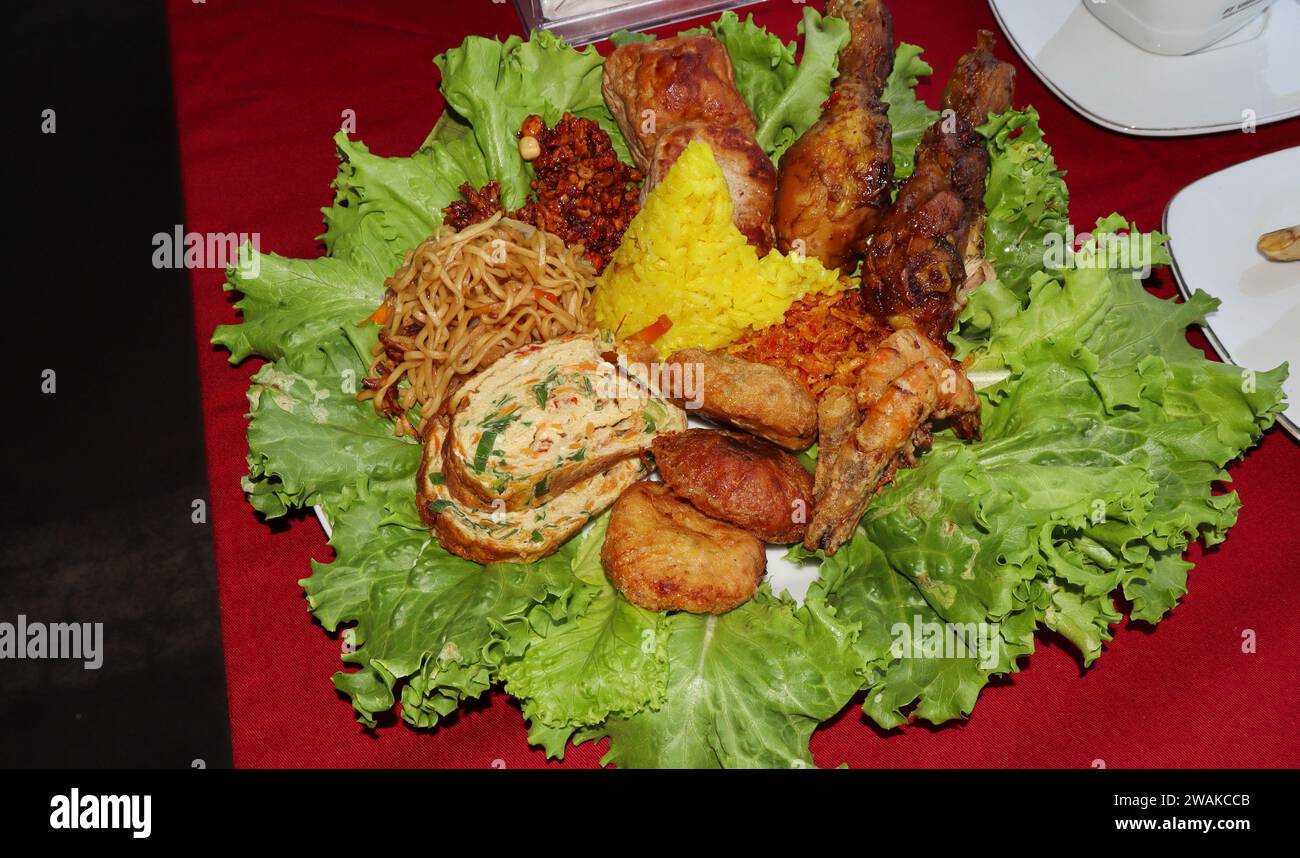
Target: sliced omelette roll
[521, 536]
[543, 419]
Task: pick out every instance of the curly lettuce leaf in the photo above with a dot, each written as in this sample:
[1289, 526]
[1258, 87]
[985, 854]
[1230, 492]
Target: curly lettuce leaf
[289, 304]
[745, 689]
[1026, 198]
[425, 623]
[385, 206]
[493, 86]
[1106, 434]
[786, 96]
[608, 657]
[310, 442]
[908, 115]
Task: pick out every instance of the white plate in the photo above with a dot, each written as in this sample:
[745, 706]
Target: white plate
[1122, 87]
[782, 574]
[1213, 225]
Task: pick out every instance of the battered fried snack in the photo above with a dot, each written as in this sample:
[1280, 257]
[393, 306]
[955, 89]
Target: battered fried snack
[767, 401]
[665, 555]
[739, 479]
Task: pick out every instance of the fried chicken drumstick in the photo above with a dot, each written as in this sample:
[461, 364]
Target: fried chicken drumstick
[834, 183]
[914, 269]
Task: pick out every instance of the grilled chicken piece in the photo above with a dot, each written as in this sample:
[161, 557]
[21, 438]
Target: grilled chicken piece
[667, 93]
[835, 181]
[868, 433]
[750, 175]
[679, 80]
[914, 268]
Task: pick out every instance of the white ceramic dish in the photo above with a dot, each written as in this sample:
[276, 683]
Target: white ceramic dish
[1252, 75]
[1213, 225]
[782, 574]
[1176, 27]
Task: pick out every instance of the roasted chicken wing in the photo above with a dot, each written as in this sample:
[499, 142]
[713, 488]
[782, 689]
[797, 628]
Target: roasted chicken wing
[739, 479]
[914, 271]
[868, 433]
[835, 182]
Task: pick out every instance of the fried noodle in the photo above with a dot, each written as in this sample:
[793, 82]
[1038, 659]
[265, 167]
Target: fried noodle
[463, 299]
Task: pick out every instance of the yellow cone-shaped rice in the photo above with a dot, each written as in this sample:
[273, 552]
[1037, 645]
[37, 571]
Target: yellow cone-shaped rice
[682, 257]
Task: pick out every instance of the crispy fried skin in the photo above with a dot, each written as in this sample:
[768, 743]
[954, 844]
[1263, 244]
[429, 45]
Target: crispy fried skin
[914, 268]
[868, 433]
[682, 79]
[739, 479]
[835, 181]
[668, 93]
[764, 400]
[750, 174]
[665, 555]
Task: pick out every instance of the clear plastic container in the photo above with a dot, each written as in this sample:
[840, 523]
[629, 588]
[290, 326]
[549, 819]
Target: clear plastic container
[584, 21]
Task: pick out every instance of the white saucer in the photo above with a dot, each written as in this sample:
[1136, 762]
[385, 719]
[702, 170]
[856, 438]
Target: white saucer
[1122, 87]
[1214, 224]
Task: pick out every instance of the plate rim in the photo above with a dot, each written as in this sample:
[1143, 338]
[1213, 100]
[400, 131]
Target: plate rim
[1289, 426]
[1131, 130]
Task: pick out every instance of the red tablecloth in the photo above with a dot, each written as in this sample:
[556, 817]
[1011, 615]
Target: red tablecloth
[260, 90]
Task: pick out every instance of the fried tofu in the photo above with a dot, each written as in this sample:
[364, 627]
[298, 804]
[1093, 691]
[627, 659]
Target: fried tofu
[665, 555]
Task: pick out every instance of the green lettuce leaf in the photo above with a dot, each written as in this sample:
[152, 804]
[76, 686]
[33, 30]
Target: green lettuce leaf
[310, 441]
[908, 115]
[425, 623]
[289, 304]
[745, 689]
[608, 657]
[786, 96]
[493, 86]
[1026, 198]
[385, 206]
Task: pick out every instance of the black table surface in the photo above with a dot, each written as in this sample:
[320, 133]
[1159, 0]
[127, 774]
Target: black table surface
[101, 475]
